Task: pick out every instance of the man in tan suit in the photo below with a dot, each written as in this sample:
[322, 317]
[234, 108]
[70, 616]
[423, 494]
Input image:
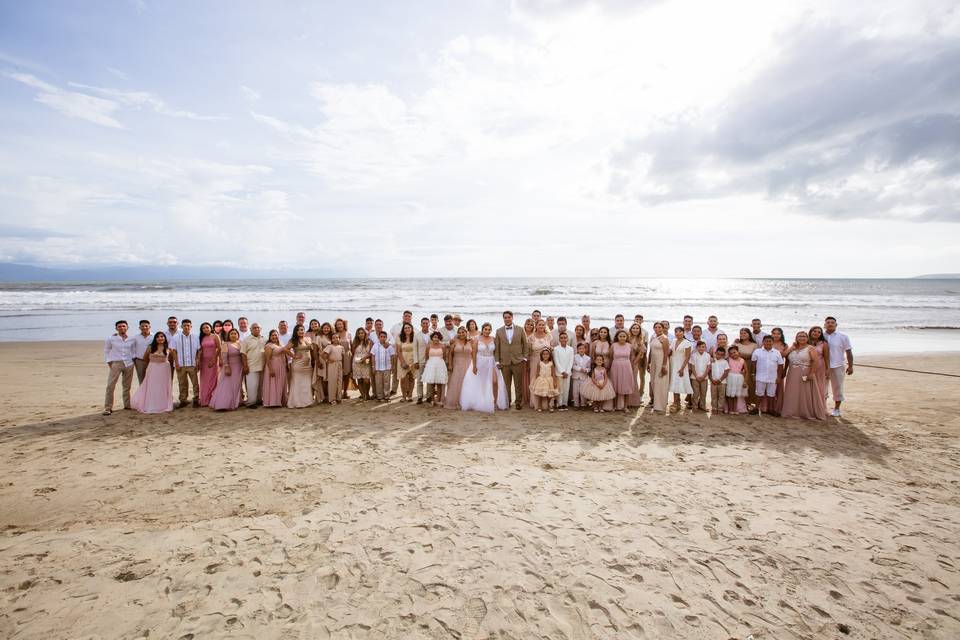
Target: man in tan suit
[510, 351]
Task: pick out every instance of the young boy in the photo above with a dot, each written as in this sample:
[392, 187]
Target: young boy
[718, 381]
[384, 361]
[699, 370]
[579, 373]
[563, 365]
[768, 364]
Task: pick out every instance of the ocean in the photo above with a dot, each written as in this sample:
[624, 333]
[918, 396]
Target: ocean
[881, 316]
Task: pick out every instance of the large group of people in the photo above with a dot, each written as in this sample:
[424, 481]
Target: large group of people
[544, 364]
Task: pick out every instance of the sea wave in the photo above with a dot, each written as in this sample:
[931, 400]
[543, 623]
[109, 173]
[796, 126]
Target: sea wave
[924, 327]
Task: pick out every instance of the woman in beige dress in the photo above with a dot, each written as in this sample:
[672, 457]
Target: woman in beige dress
[461, 360]
[658, 366]
[320, 371]
[360, 348]
[301, 369]
[635, 338]
[747, 345]
[340, 328]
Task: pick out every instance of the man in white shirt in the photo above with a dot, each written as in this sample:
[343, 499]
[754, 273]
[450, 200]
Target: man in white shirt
[284, 334]
[243, 328]
[618, 325]
[562, 329]
[448, 331]
[456, 322]
[118, 354]
[710, 335]
[421, 339]
[768, 365]
[171, 330]
[395, 330]
[140, 343]
[688, 328]
[186, 349]
[841, 353]
[550, 324]
[253, 348]
[384, 360]
[757, 331]
[563, 361]
[301, 318]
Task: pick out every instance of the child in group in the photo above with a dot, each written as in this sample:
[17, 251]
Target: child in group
[736, 382]
[333, 358]
[699, 371]
[718, 381]
[579, 373]
[768, 370]
[597, 387]
[563, 360]
[545, 386]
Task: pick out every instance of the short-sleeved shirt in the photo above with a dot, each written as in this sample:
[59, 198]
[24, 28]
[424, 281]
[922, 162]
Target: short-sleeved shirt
[700, 362]
[186, 347]
[140, 344]
[767, 362]
[382, 356]
[839, 345]
[718, 367]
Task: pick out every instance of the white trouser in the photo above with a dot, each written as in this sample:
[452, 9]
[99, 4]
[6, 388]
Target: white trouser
[253, 387]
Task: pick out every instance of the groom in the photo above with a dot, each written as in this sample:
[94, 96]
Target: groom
[510, 351]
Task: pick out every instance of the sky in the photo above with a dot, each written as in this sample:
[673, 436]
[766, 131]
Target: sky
[484, 138]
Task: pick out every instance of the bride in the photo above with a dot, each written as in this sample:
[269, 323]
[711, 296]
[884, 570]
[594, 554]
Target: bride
[483, 388]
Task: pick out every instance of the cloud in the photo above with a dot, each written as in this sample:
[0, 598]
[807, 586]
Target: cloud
[144, 100]
[841, 124]
[249, 94]
[71, 103]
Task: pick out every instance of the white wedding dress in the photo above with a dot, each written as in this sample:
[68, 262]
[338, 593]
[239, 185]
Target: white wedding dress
[476, 394]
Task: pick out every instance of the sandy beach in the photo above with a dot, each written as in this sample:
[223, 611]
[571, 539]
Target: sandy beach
[398, 521]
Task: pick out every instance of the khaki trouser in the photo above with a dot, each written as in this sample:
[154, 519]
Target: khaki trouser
[141, 367]
[718, 396]
[700, 392]
[253, 387]
[514, 372]
[187, 375]
[381, 384]
[118, 369]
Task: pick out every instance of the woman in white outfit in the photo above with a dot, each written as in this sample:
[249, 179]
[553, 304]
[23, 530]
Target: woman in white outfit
[483, 388]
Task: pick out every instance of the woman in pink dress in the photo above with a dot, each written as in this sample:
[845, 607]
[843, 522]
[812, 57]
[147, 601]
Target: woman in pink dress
[346, 364]
[461, 360]
[274, 392]
[209, 362]
[622, 376]
[537, 341]
[154, 394]
[818, 342]
[226, 397]
[802, 393]
[601, 347]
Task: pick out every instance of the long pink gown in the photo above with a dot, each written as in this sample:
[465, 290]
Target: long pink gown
[622, 378]
[462, 361]
[226, 397]
[154, 394]
[802, 399]
[274, 388]
[208, 374]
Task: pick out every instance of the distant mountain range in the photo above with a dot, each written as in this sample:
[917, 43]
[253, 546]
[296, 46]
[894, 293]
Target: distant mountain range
[11, 272]
[938, 276]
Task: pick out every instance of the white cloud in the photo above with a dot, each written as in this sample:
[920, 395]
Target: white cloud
[71, 103]
[144, 100]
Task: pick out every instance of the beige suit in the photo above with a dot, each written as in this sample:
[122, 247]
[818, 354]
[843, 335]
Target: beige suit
[511, 355]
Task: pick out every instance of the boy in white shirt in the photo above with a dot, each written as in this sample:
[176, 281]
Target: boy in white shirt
[699, 370]
[768, 365]
[718, 381]
[563, 365]
[580, 372]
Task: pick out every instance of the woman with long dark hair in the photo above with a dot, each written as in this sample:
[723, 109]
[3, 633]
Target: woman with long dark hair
[155, 392]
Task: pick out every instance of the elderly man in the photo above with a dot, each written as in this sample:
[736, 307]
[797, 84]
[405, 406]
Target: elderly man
[253, 348]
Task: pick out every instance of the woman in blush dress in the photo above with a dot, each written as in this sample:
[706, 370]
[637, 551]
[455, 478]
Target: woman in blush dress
[529, 326]
[539, 340]
[746, 345]
[320, 366]
[406, 348]
[580, 337]
[622, 375]
[658, 368]
[340, 328]
[332, 355]
[802, 393]
[301, 369]
[818, 342]
[225, 330]
[639, 346]
[483, 388]
[218, 330]
[601, 347]
[361, 363]
[209, 362]
[233, 368]
[473, 332]
[274, 392]
[155, 392]
[461, 359]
